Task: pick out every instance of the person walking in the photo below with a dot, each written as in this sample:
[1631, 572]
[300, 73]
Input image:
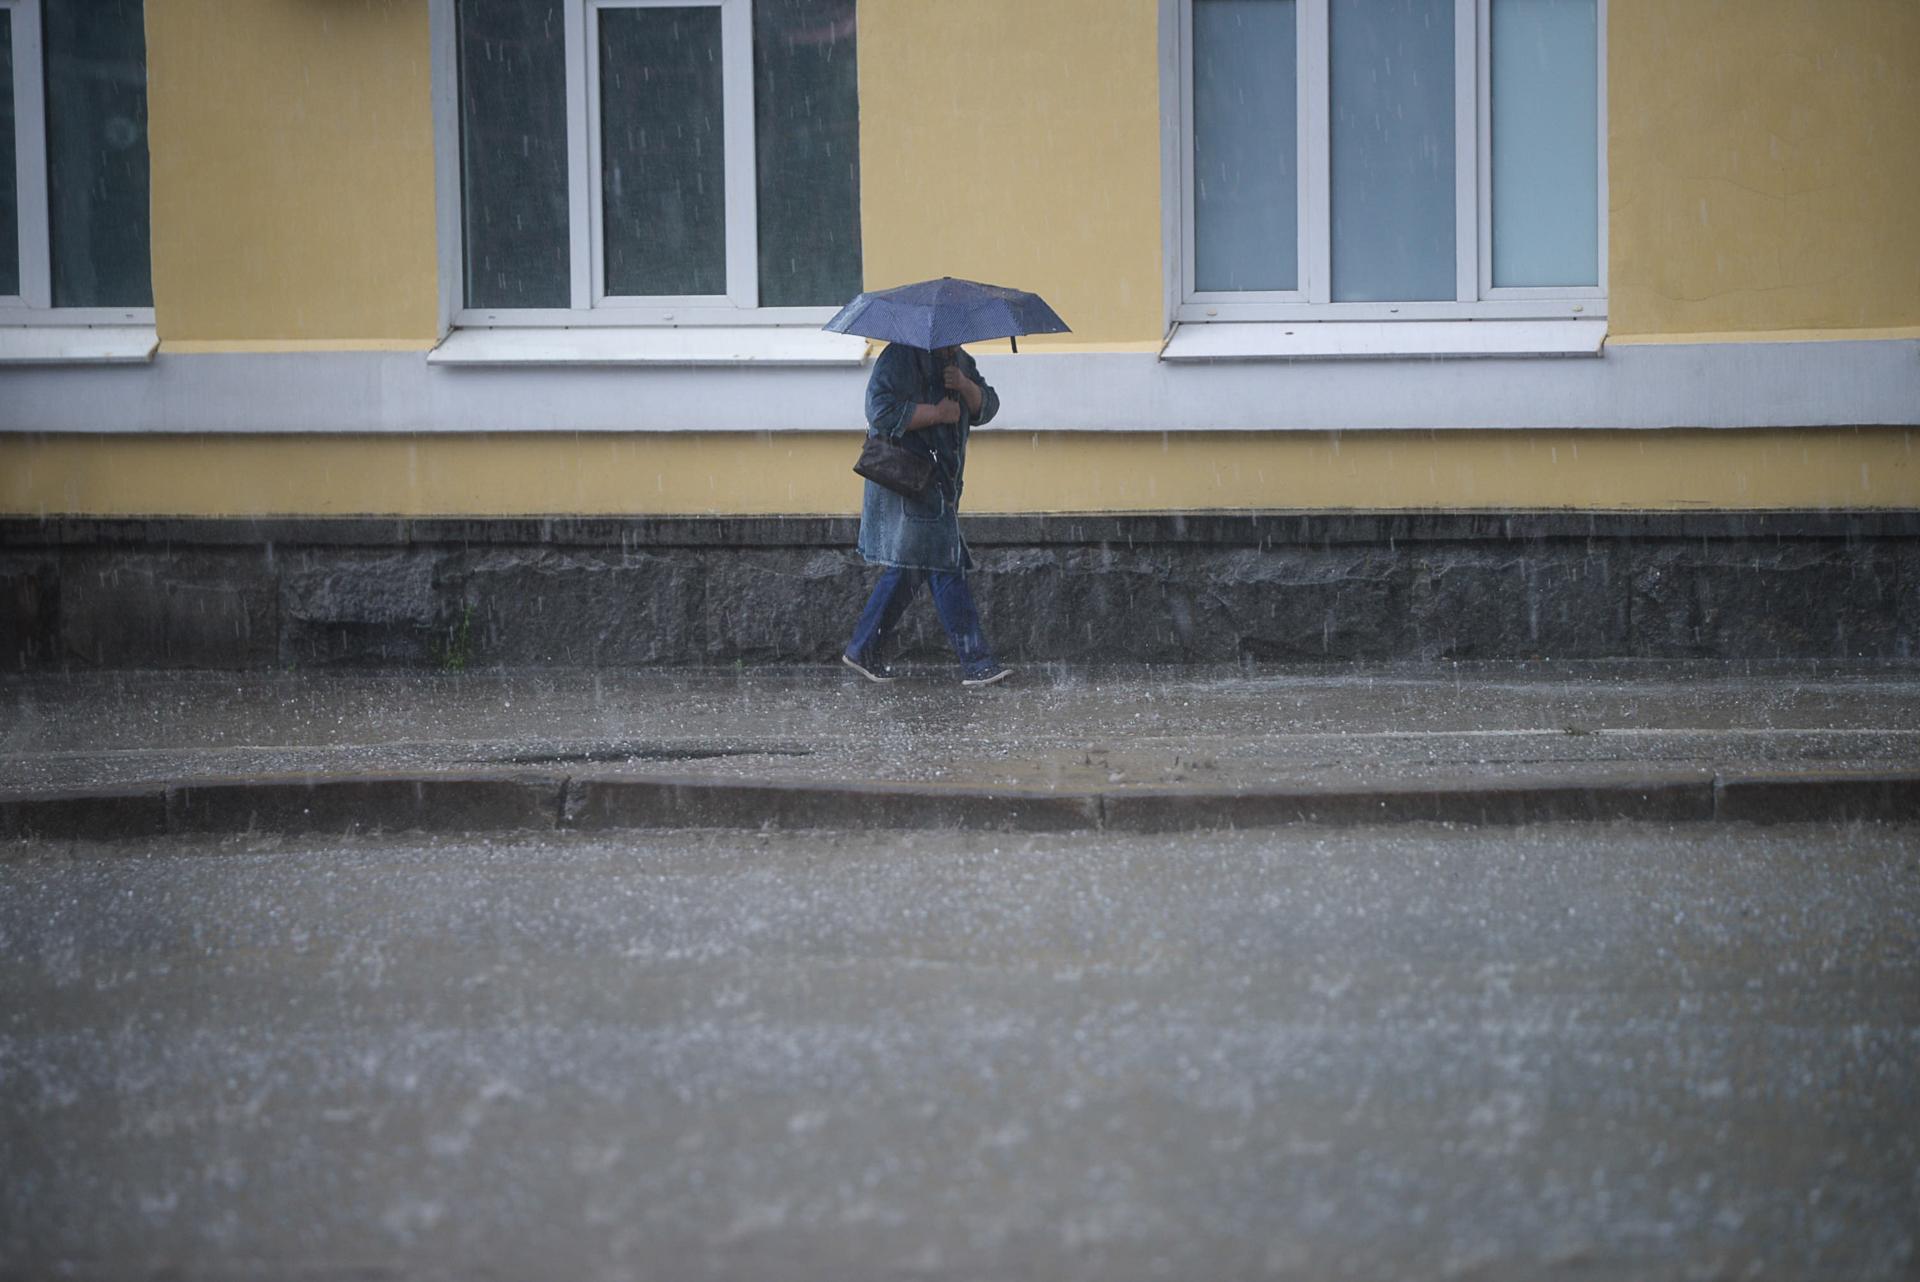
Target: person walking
[929, 400]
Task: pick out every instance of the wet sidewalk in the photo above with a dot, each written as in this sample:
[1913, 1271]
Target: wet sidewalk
[1056, 747]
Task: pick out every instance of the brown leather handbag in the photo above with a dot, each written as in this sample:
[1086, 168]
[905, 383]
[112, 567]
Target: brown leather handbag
[900, 468]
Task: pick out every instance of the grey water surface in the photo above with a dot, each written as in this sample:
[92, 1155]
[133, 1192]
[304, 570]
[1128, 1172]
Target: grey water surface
[1603, 1051]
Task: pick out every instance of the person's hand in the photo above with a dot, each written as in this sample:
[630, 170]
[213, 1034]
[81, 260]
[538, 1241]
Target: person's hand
[963, 387]
[948, 409]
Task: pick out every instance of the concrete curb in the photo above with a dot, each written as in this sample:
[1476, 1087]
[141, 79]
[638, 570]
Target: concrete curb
[543, 802]
[1685, 796]
[1782, 797]
[598, 804]
[105, 814]
[395, 803]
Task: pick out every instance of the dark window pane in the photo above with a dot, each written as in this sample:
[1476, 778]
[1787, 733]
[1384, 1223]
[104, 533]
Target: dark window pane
[513, 153]
[9, 195]
[97, 153]
[806, 108]
[662, 157]
[1393, 191]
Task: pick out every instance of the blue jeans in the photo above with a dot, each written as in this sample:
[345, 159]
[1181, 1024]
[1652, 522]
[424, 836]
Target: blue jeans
[952, 598]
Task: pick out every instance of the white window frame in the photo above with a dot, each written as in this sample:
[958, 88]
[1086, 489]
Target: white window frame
[1475, 296]
[30, 162]
[33, 305]
[590, 305]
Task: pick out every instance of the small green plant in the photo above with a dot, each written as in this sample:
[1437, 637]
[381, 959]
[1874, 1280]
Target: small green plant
[458, 651]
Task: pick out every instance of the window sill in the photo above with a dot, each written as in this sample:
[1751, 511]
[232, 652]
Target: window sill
[1382, 340]
[690, 346]
[77, 344]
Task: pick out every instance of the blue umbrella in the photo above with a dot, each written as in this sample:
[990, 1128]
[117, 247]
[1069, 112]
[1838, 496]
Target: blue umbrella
[946, 313]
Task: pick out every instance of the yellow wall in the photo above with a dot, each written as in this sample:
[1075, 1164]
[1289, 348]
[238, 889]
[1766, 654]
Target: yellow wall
[1762, 165]
[1761, 181]
[1014, 472]
[292, 145]
[1760, 161]
[1018, 142]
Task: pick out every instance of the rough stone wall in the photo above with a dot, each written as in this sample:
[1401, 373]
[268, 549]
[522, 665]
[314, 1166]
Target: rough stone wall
[1265, 587]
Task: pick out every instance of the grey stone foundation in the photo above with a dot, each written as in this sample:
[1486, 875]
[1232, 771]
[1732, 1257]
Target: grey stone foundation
[1288, 587]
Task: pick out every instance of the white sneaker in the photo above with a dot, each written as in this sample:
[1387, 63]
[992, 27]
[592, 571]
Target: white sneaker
[878, 673]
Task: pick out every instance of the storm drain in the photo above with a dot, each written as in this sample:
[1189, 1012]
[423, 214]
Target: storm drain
[616, 753]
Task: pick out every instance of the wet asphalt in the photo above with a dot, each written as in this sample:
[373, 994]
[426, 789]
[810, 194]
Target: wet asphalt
[1593, 1051]
[1051, 728]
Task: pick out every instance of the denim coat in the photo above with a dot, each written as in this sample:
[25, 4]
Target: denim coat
[919, 533]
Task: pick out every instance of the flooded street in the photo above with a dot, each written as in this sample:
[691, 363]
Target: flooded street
[1611, 1050]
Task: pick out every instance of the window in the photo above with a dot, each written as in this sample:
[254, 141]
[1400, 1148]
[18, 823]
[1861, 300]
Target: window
[1392, 159]
[657, 161]
[74, 241]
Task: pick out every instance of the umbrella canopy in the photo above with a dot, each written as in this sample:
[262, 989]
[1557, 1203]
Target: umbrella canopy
[946, 313]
